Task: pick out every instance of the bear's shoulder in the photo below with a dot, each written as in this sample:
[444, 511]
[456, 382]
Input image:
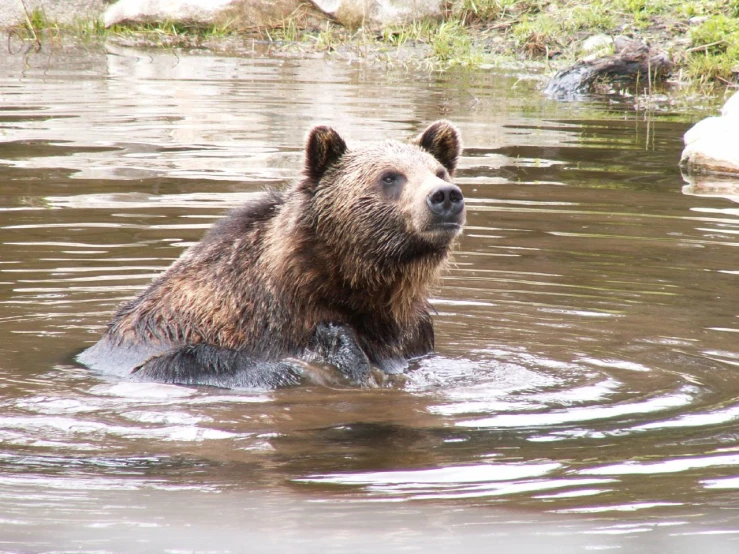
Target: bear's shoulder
[254, 214]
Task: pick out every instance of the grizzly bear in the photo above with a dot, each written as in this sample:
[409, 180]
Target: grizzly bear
[326, 281]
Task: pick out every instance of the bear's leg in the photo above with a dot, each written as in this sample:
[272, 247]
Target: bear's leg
[338, 346]
[335, 359]
[205, 364]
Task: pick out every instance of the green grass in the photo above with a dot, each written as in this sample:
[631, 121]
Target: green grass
[707, 49]
[538, 35]
[449, 42]
[287, 31]
[714, 52]
[171, 29]
[550, 32]
[470, 11]
[37, 28]
[452, 45]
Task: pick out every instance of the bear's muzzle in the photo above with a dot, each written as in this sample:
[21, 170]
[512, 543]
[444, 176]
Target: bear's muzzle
[446, 203]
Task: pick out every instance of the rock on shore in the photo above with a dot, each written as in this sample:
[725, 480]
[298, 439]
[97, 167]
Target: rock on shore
[350, 13]
[201, 12]
[633, 62]
[12, 12]
[378, 13]
[712, 144]
[372, 14]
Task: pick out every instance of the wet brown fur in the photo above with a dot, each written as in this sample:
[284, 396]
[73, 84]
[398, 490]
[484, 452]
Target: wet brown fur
[331, 248]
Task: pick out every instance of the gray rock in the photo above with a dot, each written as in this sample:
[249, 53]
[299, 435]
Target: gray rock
[58, 11]
[633, 63]
[712, 144]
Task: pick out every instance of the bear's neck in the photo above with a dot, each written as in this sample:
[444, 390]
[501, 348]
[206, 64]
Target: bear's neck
[344, 282]
[344, 289]
[395, 298]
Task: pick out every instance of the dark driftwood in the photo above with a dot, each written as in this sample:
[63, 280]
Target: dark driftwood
[634, 63]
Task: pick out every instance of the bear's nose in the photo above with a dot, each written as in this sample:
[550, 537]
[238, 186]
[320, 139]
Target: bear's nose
[446, 202]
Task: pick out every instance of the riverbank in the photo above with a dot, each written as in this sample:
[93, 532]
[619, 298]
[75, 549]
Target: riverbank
[701, 37]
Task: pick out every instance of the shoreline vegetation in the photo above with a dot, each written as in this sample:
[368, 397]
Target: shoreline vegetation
[701, 37]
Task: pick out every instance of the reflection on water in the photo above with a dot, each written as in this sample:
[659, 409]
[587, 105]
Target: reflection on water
[584, 393]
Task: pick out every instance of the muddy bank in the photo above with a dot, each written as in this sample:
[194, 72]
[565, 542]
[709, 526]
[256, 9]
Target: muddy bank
[701, 41]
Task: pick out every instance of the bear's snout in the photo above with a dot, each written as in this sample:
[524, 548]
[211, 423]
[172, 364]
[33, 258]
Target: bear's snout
[446, 203]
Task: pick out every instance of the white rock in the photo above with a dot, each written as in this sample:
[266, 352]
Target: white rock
[697, 20]
[181, 11]
[731, 108]
[712, 145]
[351, 13]
[597, 43]
[378, 13]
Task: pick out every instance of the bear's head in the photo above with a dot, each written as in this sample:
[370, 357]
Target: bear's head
[385, 209]
[379, 220]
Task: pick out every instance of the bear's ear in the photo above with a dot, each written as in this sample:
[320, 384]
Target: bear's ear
[323, 148]
[441, 140]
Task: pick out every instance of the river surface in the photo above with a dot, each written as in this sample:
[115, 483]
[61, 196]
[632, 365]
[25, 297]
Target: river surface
[584, 394]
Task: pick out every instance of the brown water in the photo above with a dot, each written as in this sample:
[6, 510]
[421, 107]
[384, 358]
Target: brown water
[584, 394]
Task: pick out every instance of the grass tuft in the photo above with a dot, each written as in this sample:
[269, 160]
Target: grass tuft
[714, 52]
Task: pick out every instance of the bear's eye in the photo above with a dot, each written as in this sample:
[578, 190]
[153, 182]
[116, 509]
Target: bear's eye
[441, 173]
[390, 179]
[392, 183]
